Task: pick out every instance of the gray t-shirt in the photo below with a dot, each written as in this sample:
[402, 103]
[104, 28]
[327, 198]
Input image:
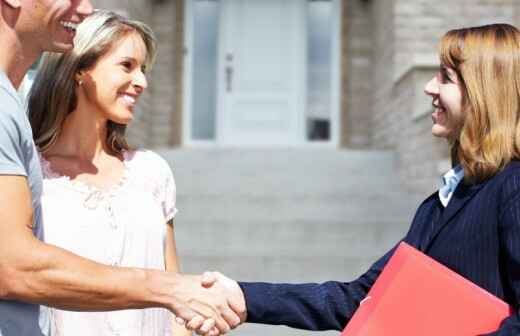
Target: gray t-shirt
[18, 156]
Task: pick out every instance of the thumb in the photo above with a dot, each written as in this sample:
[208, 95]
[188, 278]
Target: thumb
[208, 279]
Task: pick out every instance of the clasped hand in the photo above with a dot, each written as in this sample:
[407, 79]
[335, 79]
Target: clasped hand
[219, 304]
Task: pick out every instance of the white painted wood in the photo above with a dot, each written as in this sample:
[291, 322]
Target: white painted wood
[262, 63]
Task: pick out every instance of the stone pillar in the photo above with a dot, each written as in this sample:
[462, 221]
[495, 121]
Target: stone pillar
[356, 59]
[163, 75]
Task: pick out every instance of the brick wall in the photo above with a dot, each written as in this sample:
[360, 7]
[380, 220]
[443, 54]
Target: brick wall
[162, 77]
[357, 50]
[382, 83]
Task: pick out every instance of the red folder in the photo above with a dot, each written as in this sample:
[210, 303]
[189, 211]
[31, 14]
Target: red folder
[417, 296]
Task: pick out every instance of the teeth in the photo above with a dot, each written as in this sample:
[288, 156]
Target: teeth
[69, 25]
[129, 99]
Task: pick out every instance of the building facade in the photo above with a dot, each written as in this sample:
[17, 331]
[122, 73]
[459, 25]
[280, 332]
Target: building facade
[335, 73]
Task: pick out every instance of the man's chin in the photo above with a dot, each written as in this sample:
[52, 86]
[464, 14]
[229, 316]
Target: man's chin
[61, 47]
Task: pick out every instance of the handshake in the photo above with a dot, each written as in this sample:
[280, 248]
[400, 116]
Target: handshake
[211, 304]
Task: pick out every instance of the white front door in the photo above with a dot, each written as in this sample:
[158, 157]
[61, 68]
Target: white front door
[262, 67]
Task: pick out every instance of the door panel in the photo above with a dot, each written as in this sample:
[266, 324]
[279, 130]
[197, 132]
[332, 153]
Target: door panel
[262, 72]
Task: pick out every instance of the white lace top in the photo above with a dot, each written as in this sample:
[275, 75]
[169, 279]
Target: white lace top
[125, 226]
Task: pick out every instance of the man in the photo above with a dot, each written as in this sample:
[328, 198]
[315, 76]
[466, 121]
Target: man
[32, 272]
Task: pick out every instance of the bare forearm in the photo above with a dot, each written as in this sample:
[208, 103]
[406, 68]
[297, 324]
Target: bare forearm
[49, 275]
[171, 263]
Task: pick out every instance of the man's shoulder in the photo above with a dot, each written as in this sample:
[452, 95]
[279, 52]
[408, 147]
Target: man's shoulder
[10, 105]
[7, 92]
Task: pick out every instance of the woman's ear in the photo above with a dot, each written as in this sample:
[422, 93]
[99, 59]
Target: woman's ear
[79, 78]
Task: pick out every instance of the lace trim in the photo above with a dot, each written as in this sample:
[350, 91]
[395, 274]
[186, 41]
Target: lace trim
[83, 187]
[156, 184]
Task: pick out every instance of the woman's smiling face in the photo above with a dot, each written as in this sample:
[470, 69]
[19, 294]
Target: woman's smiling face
[113, 86]
[448, 116]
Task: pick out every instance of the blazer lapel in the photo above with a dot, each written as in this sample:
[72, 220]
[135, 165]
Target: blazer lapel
[461, 196]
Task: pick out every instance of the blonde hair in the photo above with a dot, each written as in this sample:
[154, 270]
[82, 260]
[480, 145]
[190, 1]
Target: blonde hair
[487, 62]
[53, 95]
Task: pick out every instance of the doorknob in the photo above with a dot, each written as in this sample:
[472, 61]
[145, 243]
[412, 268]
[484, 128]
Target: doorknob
[229, 78]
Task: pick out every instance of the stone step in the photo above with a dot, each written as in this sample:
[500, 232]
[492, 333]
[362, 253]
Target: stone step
[290, 184]
[275, 169]
[250, 329]
[284, 269]
[271, 238]
[320, 208]
[312, 159]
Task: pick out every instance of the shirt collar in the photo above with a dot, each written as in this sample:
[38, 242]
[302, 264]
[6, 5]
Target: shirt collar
[450, 181]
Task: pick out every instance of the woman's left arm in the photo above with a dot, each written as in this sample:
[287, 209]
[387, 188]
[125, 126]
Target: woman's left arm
[172, 265]
[509, 239]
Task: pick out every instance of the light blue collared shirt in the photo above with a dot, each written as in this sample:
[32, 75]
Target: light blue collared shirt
[450, 181]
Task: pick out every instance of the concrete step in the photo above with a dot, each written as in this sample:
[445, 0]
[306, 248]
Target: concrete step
[257, 171]
[263, 330]
[312, 159]
[348, 238]
[320, 208]
[284, 269]
[293, 183]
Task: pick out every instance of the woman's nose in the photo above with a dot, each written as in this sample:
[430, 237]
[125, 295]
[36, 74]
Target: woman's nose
[140, 80]
[432, 87]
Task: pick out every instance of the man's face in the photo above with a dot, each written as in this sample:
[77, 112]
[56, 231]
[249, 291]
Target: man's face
[50, 25]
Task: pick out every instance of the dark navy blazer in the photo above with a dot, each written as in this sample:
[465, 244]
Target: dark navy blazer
[477, 235]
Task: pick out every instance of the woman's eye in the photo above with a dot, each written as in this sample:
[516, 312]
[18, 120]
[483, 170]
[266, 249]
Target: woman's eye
[127, 65]
[445, 76]
[448, 75]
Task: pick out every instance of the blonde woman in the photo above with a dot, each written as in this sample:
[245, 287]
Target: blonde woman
[101, 199]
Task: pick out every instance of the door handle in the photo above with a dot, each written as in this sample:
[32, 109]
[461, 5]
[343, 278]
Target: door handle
[229, 78]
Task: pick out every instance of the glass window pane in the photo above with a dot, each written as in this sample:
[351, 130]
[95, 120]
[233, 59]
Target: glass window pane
[319, 56]
[204, 94]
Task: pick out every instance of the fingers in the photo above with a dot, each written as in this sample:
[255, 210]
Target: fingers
[214, 332]
[214, 311]
[200, 326]
[230, 316]
[184, 314]
[240, 310]
[208, 279]
[207, 327]
[195, 323]
[214, 303]
[235, 296]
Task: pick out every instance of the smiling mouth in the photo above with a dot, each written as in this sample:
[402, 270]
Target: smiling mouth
[70, 26]
[437, 106]
[128, 99]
